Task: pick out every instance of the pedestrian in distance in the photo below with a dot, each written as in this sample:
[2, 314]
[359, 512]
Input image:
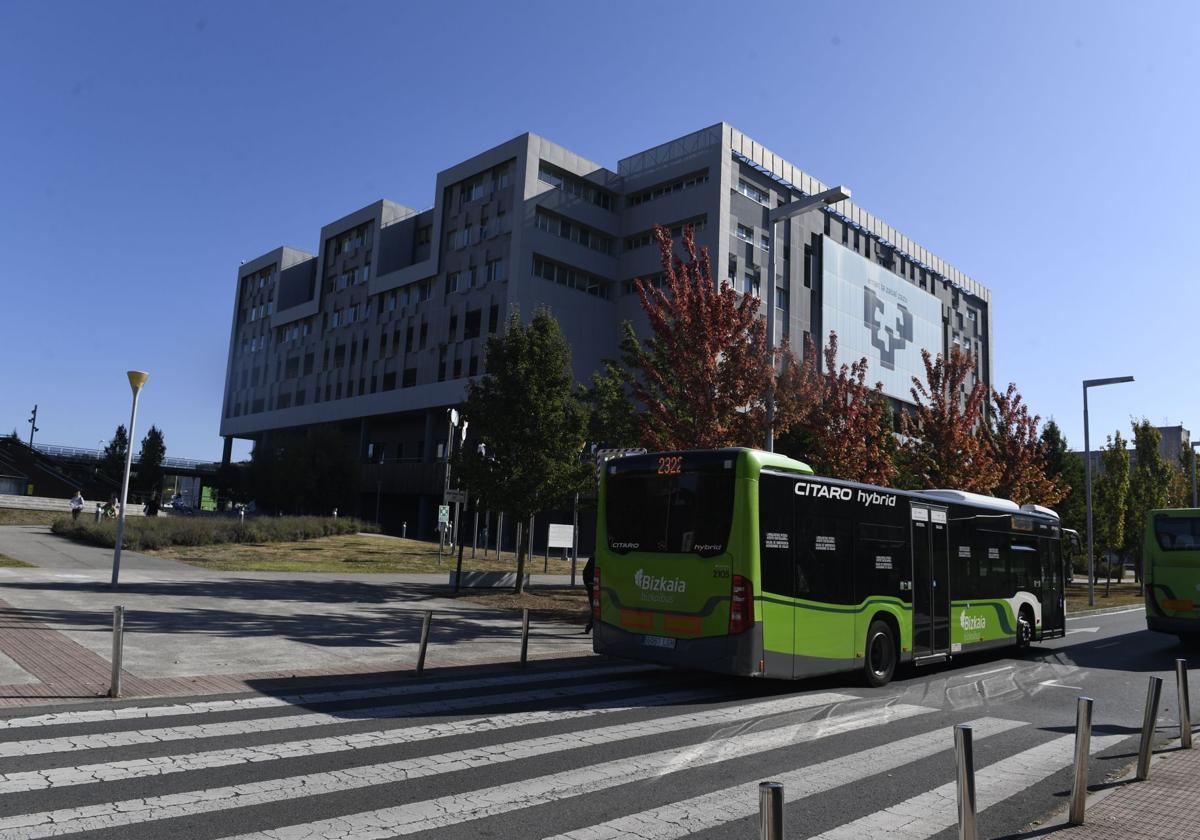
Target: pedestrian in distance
[110, 508]
[76, 505]
[589, 576]
[151, 506]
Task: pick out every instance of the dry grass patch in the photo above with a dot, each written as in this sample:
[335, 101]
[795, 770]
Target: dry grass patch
[348, 554]
[1120, 595]
[14, 516]
[561, 602]
[10, 562]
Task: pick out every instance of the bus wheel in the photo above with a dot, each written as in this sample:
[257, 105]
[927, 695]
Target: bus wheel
[1024, 628]
[880, 658]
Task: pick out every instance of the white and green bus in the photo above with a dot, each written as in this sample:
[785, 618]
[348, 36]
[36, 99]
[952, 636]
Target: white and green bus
[1172, 572]
[744, 562]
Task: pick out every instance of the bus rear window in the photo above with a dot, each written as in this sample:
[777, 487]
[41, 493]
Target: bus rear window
[685, 513]
[1177, 533]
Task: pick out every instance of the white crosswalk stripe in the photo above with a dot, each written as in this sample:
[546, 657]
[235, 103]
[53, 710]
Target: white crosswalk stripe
[458, 808]
[191, 803]
[164, 765]
[74, 743]
[311, 698]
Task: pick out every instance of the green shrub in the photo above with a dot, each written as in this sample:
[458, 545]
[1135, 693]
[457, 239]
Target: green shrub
[147, 534]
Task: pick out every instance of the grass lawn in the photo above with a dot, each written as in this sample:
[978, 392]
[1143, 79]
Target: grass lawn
[352, 554]
[13, 516]
[1120, 595]
[6, 561]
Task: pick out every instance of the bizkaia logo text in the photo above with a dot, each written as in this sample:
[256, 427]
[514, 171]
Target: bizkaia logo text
[652, 583]
[972, 622]
[866, 498]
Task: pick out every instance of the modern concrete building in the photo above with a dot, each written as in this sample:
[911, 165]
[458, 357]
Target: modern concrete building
[380, 330]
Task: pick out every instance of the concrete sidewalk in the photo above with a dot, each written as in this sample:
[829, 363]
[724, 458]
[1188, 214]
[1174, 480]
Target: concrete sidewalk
[1164, 807]
[190, 630]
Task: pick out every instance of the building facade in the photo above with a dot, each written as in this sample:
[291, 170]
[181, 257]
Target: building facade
[380, 330]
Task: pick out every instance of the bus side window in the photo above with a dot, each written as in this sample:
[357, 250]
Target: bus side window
[775, 538]
[1026, 562]
[824, 555]
[881, 560]
[994, 580]
[964, 560]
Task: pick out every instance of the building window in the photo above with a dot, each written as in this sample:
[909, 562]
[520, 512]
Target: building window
[572, 230]
[573, 185]
[424, 234]
[750, 283]
[572, 278]
[753, 192]
[659, 190]
[746, 234]
[471, 323]
[409, 378]
[494, 271]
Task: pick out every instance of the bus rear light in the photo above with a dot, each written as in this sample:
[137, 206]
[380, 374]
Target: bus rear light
[595, 594]
[741, 605]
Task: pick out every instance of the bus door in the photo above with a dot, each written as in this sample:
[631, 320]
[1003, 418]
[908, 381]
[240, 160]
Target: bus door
[930, 582]
[1052, 593]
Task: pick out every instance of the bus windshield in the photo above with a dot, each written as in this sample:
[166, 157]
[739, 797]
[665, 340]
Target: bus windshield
[1177, 533]
[689, 512]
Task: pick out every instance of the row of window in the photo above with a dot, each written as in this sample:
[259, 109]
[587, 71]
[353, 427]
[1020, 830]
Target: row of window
[646, 237]
[572, 278]
[657, 280]
[260, 311]
[659, 190]
[752, 192]
[493, 271]
[353, 278]
[486, 184]
[260, 279]
[472, 235]
[349, 241]
[746, 234]
[573, 185]
[567, 229]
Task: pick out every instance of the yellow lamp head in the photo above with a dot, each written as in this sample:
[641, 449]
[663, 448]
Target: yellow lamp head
[137, 378]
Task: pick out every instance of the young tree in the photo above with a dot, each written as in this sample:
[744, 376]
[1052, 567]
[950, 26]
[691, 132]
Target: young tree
[703, 375]
[612, 418]
[844, 426]
[530, 425]
[1149, 488]
[1065, 469]
[1016, 449]
[150, 460]
[112, 461]
[1110, 502]
[943, 444]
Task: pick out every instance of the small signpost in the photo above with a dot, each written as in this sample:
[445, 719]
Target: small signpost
[443, 514]
[560, 536]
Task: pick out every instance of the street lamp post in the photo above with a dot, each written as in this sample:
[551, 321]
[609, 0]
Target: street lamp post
[137, 379]
[1087, 466]
[1195, 444]
[778, 214]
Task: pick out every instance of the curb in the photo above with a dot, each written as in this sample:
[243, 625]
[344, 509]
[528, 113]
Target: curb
[1105, 610]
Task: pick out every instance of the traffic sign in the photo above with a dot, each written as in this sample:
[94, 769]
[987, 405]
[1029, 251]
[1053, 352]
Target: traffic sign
[456, 497]
[444, 514]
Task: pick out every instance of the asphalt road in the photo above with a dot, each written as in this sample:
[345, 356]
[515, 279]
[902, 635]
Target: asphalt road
[589, 749]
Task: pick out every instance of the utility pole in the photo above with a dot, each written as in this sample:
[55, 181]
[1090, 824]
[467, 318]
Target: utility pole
[32, 426]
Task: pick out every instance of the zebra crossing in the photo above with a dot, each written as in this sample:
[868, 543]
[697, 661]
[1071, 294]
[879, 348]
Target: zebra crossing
[569, 753]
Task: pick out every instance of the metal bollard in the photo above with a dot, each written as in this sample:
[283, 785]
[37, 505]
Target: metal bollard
[99, 512]
[404, 530]
[1185, 705]
[1083, 745]
[770, 811]
[118, 650]
[1146, 747]
[524, 635]
[241, 516]
[425, 622]
[964, 759]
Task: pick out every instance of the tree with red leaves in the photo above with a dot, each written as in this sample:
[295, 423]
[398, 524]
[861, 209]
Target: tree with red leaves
[703, 375]
[943, 444]
[1018, 451]
[843, 428]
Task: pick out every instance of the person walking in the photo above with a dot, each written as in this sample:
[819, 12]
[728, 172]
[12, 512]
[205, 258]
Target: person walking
[589, 577]
[76, 505]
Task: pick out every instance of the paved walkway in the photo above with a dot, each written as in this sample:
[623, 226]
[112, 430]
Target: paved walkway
[1164, 807]
[190, 630]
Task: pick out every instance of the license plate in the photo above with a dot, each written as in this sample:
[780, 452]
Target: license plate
[658, 641]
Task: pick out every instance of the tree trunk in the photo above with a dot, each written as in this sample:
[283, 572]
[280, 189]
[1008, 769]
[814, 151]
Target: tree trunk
[1108, 577]
[521, 555]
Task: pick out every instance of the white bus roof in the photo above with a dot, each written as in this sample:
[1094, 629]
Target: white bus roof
[977, 499]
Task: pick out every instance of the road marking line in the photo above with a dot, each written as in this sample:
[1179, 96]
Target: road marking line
[1110, 644]
[192, 803]
[978, 674]
[679, 819]
[112, 771]
[309, 698]
[110, 740]
[1083, 630]
[936, 810]
[1057, 684]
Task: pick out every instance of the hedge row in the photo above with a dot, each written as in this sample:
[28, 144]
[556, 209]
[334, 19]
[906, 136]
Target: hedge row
[143, 534]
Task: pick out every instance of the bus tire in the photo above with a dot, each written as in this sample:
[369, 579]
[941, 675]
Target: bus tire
[879, 657]
[1024, 627]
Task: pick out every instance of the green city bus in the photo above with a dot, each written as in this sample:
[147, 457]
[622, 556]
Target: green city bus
[744, 562]
[1172, 572]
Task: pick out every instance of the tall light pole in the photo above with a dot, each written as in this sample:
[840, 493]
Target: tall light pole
[1195, 444]
[1087, 466]
[778, 214]
[33, 426]
[137, 379]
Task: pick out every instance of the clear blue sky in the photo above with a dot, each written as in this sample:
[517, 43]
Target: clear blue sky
[1047, 149]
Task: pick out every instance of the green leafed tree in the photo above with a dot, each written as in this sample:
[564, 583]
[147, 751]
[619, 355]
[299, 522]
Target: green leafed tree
[612, 418]
[1110, 500]
[1065, 468]
[150, 460]
[1150, 485]
[112, 461]
[527, 425]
